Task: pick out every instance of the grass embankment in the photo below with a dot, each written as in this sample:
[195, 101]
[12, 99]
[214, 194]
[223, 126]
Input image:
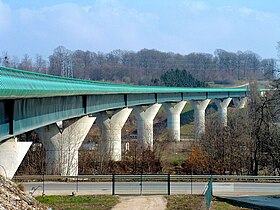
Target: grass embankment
[98, 202]
[220, 205]
[195, 202]
[191, 202]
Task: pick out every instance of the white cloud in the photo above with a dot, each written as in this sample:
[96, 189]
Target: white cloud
[183, 27]
[195, 5]
[5, 16]
[95, 27]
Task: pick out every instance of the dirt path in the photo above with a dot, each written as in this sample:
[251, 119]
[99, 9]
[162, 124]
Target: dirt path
[141, 203]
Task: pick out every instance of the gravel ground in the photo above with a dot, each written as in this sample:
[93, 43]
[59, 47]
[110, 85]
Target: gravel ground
[141, 203]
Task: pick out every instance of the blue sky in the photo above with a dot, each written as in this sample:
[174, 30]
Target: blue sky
[179, 26]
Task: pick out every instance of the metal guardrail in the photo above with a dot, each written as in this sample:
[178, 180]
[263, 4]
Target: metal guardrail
[225, 177]
[58, 177]
[109, 176]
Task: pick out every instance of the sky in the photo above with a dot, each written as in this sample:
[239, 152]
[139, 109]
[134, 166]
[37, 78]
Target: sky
[179, 26]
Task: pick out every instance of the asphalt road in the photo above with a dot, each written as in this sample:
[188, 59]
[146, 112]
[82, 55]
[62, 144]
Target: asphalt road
[135, 188]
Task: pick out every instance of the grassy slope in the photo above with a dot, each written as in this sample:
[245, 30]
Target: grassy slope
[195, 202]
[98, 202]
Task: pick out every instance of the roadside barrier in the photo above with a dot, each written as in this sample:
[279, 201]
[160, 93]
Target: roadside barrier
[208, 193]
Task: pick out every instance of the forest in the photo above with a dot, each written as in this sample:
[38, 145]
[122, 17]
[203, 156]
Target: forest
[147, 66]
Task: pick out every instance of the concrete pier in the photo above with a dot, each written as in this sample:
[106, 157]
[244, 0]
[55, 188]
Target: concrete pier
[173, 118]
[62, 144]
[111, 127]
[239, 102]
[199, 107]
[12, 153]
[222, 105]
[145, 126]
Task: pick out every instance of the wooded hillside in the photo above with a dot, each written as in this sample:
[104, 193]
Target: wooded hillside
[146, 66]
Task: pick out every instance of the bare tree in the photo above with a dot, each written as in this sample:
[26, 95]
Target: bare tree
[40, 65]
[61, 62]
[26, 63]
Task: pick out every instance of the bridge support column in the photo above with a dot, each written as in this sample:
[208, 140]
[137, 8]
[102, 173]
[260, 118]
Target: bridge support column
[111, 127]
[199, 107]
[222, 105]
[173, 118]
[145, 124]
[240, 102]
[12, 153]
[62, 145]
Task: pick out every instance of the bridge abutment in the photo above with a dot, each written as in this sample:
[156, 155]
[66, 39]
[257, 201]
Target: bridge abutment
[145, 124]
[222, 105]
[110, 145]
[12, 153]
[199, 107]
[62, 145]
[173, 118]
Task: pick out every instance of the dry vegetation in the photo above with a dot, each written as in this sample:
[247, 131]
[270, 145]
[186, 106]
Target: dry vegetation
[191, 202]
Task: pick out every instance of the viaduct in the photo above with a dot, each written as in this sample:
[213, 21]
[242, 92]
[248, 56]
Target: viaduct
[33, 101]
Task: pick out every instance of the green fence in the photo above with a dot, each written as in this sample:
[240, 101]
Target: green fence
[208, 193]
[141, 184]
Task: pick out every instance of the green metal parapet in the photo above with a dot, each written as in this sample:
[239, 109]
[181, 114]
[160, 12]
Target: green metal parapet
[22, 84]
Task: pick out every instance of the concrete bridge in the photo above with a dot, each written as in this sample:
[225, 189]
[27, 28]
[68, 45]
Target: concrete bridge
[32, 101]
